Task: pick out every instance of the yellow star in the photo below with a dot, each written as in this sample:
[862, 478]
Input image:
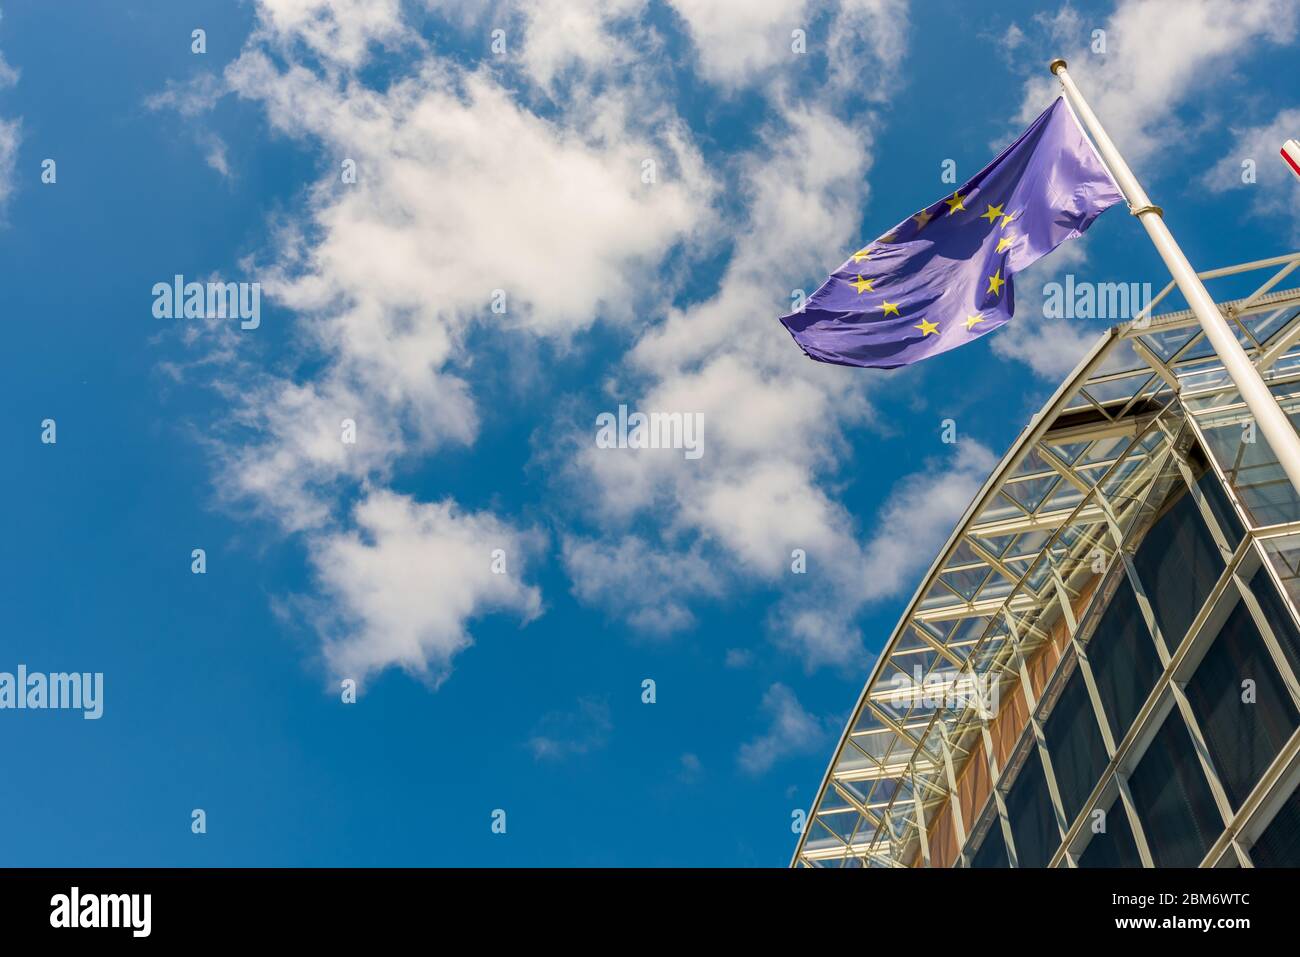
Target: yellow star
[1007, 218]
[861, 254]
[1006, 241]
[887, 238]
[890, 307]
[954, 204]
[971, 320]
[862, 285]
[927, 327]
[922, 218]
[993, 213]
[996, 282]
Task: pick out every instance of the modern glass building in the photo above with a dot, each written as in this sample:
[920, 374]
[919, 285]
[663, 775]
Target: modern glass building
[1100, 667]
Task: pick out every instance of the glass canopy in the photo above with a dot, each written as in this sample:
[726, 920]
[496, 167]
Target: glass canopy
[974, 741]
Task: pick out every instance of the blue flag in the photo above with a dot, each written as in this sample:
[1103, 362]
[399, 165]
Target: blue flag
[941, 278]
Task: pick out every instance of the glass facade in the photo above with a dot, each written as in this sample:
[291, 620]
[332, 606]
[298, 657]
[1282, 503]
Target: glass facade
[1033, 821]
[1125, 665]
[1074, 741]
[1100, 670]
[1243, 707]
[1112, 843]
[1173, 798]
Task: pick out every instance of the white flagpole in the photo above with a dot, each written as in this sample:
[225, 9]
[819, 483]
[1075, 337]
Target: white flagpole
[1272, 421]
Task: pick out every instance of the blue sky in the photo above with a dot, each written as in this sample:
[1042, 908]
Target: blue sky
[520, 171]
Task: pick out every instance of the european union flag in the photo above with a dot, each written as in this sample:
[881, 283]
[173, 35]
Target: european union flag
[941, 278]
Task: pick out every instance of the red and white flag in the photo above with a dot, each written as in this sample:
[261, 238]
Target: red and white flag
[1291, 153]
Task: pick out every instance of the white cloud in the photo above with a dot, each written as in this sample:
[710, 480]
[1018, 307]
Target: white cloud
[291, 465]
[772, 420]
[1159, 54]
[739, 42]
[191, 98]
[1063, 26]
[791, 731]
[738, 39]
[918, 516]
[594, 36]
[650, 589]
[1051, 347]
[739, 658]
[1275, 192]
[539, 209]
[867, 32]
[461, 189]
[339, 32]
[819, 626]
[1013, 38]
[406, 580]
[398, 262]
[565, 734]
[10, 136]
[691, 768]
[217, 155]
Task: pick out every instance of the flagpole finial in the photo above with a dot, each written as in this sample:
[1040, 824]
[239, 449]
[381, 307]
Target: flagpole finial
[1057, 64]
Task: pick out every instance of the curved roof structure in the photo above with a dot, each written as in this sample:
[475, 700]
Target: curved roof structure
[962, 682]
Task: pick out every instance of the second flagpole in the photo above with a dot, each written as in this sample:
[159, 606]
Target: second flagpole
[1272, 421]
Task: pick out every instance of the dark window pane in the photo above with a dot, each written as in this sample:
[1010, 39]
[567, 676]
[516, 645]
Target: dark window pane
[993, 852]
[1242, 737]
[1173, 799]
[1033, 822]
[1279, 845]
[1115, 846]
[1278, 615]
[1074, 742]
[1220, 506]
[1177, 564]
[1124, 660]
